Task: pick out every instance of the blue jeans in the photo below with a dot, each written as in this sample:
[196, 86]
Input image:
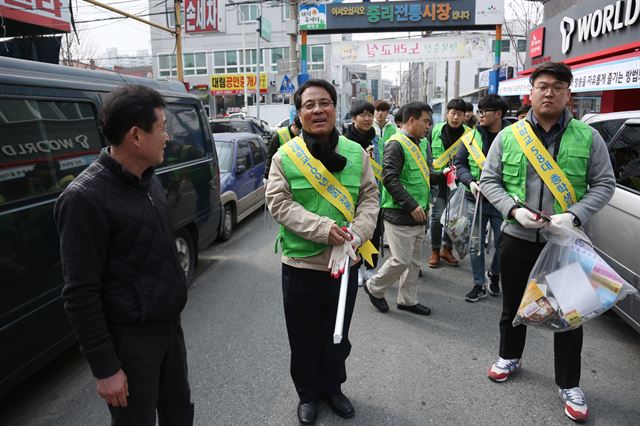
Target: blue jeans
[436, 227]
[476, 252]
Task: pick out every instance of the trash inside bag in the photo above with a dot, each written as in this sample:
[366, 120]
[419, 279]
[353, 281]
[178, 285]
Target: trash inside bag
[455, 222]
[570, 284]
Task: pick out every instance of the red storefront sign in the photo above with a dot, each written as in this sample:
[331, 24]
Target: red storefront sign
[536, 42]
[201, 16]
[52, 14]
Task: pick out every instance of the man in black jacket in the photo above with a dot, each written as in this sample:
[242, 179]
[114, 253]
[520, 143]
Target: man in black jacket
[491, 110]
[124, 288]
[406, 168]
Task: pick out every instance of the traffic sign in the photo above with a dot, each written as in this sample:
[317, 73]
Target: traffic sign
[287, 87]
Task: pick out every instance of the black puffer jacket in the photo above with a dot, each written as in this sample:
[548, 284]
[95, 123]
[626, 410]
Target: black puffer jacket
[119, 257]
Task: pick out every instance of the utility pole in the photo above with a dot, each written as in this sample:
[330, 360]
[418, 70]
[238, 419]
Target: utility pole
[176, 33]
[456, 80]
[244, 62]
[259, 22]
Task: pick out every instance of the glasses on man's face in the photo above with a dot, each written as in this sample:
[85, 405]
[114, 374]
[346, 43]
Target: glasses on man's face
[554, 88]
[483, 112]
[322, 103]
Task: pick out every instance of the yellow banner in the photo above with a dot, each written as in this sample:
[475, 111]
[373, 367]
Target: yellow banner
[233, 84]
[448, 155]
[377, 169]
[415, 152]
[326, 185]
[474, 148]
[284, 134]
[548, 170]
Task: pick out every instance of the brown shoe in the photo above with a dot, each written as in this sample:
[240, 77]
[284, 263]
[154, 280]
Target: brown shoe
[434, 260]
[448, 256]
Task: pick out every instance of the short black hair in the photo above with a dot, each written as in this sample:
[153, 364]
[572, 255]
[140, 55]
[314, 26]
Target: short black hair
[523, 109]
[381, 105]
[493, 101]
[457, 104]
[415, 110]
[468, 107]
[559, 70]
[127, 107]
[398, 116]
[297, 122]
[359, 107]
[314, 82]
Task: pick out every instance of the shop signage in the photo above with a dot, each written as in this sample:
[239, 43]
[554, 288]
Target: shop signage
[233, 84]
[536, 42]
[401, 16]
[265, 29]
[615, 75]
[613, 17]
[403, 50]
[201, 16]
[585, 28]
[53, 14]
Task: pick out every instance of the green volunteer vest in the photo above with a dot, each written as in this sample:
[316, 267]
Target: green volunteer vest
[284, 135]
[573, 159]
[412, 180]
[437, 145]
[304, 194]
[473, 166]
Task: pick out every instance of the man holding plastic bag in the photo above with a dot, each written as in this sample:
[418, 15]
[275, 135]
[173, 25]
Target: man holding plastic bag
[549, 164]
[323, 193]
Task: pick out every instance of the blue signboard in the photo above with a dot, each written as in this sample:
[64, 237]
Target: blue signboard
[287, 87]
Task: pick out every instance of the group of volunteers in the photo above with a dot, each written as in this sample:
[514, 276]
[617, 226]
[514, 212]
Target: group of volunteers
[338, 199]
[387, 183]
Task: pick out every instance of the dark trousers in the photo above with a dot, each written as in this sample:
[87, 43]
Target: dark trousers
[310, 305]
[154, 359]
[376, 240]
[517, 260]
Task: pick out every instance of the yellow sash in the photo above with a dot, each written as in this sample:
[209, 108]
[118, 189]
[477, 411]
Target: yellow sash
[326, 184]
[548, 170]
[415, 152]
[284, 134]
[474, 148]
[451, 152]
[377, 169]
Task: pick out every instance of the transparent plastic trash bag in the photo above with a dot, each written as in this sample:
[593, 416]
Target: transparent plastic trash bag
[569, 284]
[455, 222]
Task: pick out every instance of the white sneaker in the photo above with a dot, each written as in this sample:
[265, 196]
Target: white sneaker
[575, 404]
[503, 368]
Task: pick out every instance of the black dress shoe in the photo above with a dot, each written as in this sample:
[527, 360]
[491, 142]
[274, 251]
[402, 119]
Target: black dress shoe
[307, 412]
[340, 405]
[380, 304]
[416, 309]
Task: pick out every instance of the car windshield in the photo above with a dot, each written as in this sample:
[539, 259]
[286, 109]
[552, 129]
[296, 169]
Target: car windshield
[225, 155]
[239, 126]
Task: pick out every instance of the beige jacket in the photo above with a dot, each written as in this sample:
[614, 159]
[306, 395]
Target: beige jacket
[316, 228]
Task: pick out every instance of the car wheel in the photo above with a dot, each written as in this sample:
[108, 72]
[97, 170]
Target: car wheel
[228, 221]
[186, 253]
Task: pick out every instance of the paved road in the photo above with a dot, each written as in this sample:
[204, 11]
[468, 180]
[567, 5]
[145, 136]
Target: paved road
[403, 369]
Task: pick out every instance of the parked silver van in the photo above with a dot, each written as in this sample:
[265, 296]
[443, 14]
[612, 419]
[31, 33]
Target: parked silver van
[615, 230]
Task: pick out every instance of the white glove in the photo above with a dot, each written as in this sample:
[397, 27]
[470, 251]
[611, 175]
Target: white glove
[446, 170]
[356, 241]
[528, 219]
[562, 221]
[336, 260]
[475, 189]
[264, 182]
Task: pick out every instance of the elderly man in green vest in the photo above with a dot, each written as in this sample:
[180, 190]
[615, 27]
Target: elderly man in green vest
[571, 178]
[281, 136]
[323, 193]
[406, 193]
[445, 139]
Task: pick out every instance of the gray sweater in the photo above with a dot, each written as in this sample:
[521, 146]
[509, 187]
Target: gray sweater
[600, 179]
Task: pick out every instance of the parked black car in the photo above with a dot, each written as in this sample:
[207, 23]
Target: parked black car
[49, 132]
[241, 124]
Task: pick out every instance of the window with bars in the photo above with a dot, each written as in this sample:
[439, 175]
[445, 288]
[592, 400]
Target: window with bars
[247, 13]
[277, 54]
[167, 66]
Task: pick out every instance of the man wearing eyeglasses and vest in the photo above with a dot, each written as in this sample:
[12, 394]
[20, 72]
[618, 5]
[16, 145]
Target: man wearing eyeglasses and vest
[469, 163]
[406, 193]
[323, 193]
[578, 182]
[282, 136]
[445, 140]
